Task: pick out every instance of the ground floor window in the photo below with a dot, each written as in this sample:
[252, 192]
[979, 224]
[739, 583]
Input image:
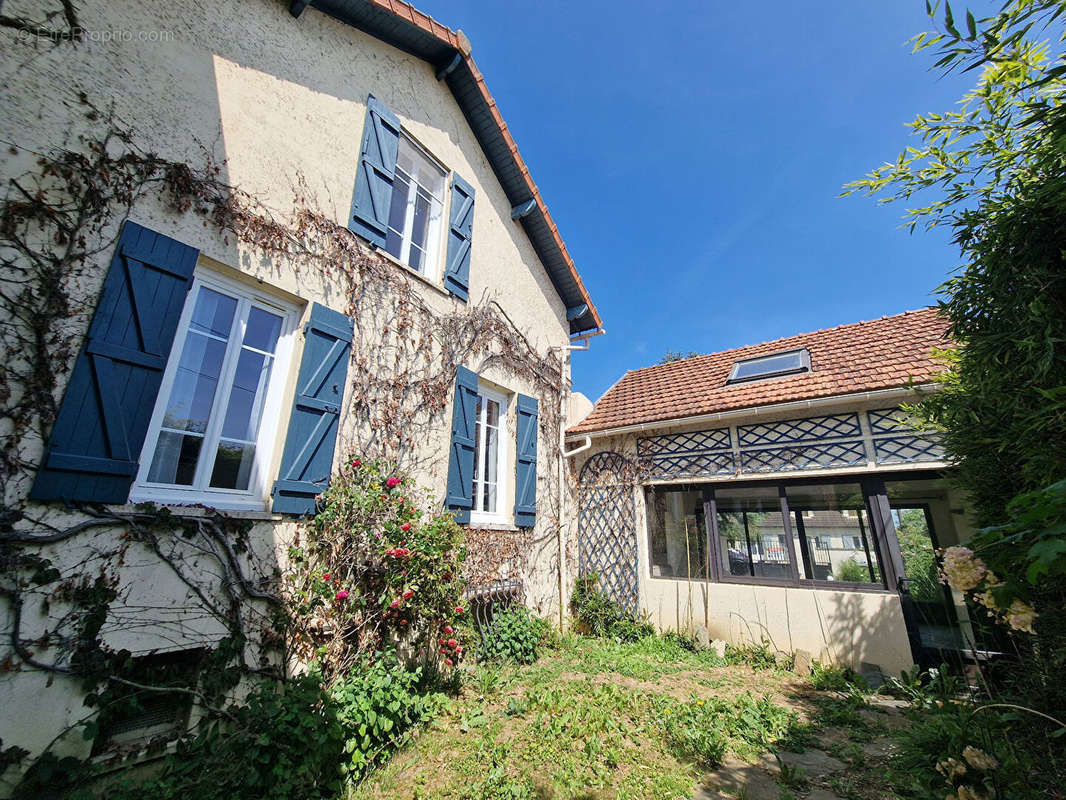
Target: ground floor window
[837, 533]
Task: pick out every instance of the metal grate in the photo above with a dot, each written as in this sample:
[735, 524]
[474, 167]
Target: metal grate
[805, 456]
[836, 426]
[607, 541]
[679, 455]
[906, 449]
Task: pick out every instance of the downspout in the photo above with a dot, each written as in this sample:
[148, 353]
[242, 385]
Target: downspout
[564, 454]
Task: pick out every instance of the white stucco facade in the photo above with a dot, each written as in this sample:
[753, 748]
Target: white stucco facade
[278, 104]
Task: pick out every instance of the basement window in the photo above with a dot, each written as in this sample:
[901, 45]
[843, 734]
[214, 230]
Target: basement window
[147, 716]
[775, 365]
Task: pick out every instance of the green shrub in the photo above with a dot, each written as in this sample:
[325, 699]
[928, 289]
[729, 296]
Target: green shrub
[602, 616]
[283, 742]
[703, 730]
[515, 634]
[835, 678]
[376, 704]
[757, 656]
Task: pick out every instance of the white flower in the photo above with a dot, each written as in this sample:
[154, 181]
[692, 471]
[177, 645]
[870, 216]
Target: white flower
[979, 759]
[1021, 616]
[963, 569]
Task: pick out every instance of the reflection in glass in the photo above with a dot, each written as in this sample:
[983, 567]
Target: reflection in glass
[677, 536]
[832, 532]
[751, 532]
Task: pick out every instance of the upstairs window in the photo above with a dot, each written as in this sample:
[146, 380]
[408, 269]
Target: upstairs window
[772, 366]
[417, 210]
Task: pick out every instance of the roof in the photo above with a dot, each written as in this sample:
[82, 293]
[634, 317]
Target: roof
[885, 353]
[406, 28]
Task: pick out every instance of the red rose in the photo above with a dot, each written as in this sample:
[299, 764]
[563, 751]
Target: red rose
[452, 643]
[392, 483]
[408, 594]
[458, 609]
[403, 622]
[405, 527]
[394, 604]
[458, 649]
[448, 630]
[357, 463]
[325, 576]
[448, 661]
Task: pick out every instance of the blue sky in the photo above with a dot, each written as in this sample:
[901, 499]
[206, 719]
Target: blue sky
[692, 154]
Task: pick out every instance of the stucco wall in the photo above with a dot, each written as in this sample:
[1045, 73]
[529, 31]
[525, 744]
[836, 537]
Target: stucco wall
[279, 105]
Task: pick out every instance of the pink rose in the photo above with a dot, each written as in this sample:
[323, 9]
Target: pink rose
[394, 604]
[452, 643]
[392, 483]
[448, 661]
[341, 595]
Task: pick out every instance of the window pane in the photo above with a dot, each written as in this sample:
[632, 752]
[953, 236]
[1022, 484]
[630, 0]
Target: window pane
[263, 330]
[195, 382]
[245, 407]
[769, 365]
[175, 459]
[397, 214]
[233, 465]
[213, 313]
[677, 534]
[834, 530]
[751, 532]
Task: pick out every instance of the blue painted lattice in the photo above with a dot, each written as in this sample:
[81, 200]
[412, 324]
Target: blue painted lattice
[836, 426]
[834, 440]
[679, 455]
[897, 442]
[607, 537]
[815, 455]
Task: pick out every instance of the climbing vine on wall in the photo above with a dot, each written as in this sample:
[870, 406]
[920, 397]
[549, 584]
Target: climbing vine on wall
[59, 223]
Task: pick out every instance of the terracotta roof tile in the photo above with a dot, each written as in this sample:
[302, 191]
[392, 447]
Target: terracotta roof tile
[883, 353]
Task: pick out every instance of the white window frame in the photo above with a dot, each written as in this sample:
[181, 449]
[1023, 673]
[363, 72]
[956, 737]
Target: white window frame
[434, 267]
[256, 496]
[502, 514]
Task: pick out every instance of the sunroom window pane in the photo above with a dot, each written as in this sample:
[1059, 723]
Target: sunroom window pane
[751, 532]
[677, 534]
[834, 516]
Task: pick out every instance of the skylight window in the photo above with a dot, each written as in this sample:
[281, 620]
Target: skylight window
[771, 366]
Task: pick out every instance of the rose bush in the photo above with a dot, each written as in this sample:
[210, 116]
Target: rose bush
[375, 571]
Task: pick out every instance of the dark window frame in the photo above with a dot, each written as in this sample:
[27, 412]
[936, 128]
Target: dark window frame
[880, 533]
[804, 366]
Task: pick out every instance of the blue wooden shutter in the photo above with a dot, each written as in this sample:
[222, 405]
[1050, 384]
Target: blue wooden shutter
[460, 495]
[307, 461]
[525, 494]
[95, 447]
[375, 173]
[460, 238]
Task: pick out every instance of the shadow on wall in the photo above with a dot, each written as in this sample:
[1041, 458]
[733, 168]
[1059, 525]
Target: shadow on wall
[846, 627]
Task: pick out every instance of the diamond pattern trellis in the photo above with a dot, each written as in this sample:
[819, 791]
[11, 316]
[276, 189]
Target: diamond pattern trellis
[690, 442]
[607, 539]
[805, 456]
[906, 449]
[888, 420]
[682, 466]
[836, 426]
[679, 455]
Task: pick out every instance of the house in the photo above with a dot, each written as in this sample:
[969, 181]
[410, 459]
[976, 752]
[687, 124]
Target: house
[777, 493]
[307, 235]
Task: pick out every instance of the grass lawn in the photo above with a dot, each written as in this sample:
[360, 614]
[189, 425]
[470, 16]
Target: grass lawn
[597, 719]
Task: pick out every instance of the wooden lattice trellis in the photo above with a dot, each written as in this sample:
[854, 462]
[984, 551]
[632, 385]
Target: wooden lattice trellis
[607, 540]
